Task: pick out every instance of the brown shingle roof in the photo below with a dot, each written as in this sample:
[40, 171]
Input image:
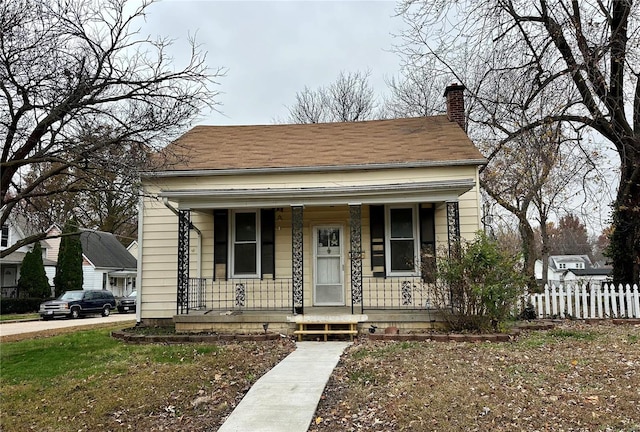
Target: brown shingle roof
[420, 140]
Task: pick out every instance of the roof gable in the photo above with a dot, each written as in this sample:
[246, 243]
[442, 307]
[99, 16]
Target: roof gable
[403, 142]
[103, 250]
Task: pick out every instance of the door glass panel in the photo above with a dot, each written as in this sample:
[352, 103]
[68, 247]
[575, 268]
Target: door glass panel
[329, 294]
[328, 270]
[328, 241]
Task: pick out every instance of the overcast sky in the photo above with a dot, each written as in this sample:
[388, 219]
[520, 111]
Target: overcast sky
[272, 49]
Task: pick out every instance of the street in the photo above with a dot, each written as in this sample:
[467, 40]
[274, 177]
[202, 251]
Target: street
[14, 328]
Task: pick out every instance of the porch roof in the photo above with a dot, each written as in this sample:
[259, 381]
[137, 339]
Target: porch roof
[409, 142]
[436, 191]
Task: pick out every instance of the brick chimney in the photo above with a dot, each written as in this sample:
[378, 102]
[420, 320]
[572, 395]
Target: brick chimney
[455, 104]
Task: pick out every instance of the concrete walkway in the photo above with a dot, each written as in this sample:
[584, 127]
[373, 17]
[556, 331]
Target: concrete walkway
[286, 397]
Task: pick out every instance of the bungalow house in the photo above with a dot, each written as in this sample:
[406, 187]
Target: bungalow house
[254, 226]
[107, 264]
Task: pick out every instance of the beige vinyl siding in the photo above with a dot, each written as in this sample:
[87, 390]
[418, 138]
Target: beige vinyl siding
[158, 278]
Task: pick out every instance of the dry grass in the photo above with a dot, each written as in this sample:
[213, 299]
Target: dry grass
[574, 378]
[87, 381]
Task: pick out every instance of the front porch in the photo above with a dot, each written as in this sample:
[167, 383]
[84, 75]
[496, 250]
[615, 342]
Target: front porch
[343, 272]
[246, 305]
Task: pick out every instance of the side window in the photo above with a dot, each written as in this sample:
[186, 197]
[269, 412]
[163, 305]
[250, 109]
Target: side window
[4, 242]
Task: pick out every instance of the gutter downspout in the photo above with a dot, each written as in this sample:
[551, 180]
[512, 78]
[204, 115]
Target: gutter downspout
[165, 201]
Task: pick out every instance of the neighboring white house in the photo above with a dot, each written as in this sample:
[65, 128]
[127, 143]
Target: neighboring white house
[133, 249]
[572, 269]
[13, 232]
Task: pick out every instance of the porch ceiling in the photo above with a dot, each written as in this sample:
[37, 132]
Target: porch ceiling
[438, 191]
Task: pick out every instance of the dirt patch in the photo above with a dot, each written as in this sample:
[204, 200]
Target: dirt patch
[576, 377]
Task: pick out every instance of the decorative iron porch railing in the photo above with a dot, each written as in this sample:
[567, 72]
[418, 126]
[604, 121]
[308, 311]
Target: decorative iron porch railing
[396, 293]
[239, 294]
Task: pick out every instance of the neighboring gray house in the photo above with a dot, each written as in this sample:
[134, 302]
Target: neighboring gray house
[107, 264]
[572, 269]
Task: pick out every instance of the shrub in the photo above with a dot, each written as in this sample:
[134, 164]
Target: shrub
[69, 268]
[19, 305]
[477, 285]
[33, 279]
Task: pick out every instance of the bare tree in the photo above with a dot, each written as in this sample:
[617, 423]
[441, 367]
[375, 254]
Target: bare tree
[71, 68]
[566, 62]
[349, 98]
[310, 107]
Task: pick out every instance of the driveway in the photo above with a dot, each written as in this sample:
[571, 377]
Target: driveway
[18, 328]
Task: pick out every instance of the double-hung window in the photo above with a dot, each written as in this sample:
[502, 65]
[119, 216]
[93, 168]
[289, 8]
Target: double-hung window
[5, 236]
[402, 241]
[245, 244]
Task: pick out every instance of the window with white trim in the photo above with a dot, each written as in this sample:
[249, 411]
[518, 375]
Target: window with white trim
[401, 241]
[245, 244]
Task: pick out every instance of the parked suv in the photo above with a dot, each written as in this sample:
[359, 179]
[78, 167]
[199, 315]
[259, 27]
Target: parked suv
[128, 303]
[74, 304]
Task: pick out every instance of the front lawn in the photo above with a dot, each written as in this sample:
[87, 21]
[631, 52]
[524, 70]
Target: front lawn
[12, 317]
[574, 378]
[87, 381]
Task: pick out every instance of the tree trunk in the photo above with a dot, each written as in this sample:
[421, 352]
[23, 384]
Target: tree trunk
[528, 250]
[624, 248]
[544, 234]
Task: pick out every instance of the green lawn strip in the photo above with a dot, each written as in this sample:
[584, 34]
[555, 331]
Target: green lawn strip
[90, 381]
[13, 317]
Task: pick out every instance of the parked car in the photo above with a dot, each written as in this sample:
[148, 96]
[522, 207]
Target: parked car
[128, 303]
[74, 304]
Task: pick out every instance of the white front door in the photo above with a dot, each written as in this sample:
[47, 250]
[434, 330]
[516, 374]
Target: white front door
[328, 287]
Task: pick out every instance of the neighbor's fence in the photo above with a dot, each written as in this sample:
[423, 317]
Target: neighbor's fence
[582, 301]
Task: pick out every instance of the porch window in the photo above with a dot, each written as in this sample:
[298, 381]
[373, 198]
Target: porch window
[401, 241]
[245, 232]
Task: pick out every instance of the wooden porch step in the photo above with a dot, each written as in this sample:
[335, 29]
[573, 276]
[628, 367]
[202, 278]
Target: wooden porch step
[352, 332]
[328, 328]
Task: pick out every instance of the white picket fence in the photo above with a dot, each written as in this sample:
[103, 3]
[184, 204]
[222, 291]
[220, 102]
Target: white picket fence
[584, 301]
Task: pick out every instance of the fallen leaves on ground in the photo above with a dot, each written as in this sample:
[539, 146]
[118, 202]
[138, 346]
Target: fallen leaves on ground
[190, 387]
[577, 377]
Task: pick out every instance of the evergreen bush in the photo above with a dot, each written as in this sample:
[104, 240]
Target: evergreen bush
[69, 269]
[33, 279]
